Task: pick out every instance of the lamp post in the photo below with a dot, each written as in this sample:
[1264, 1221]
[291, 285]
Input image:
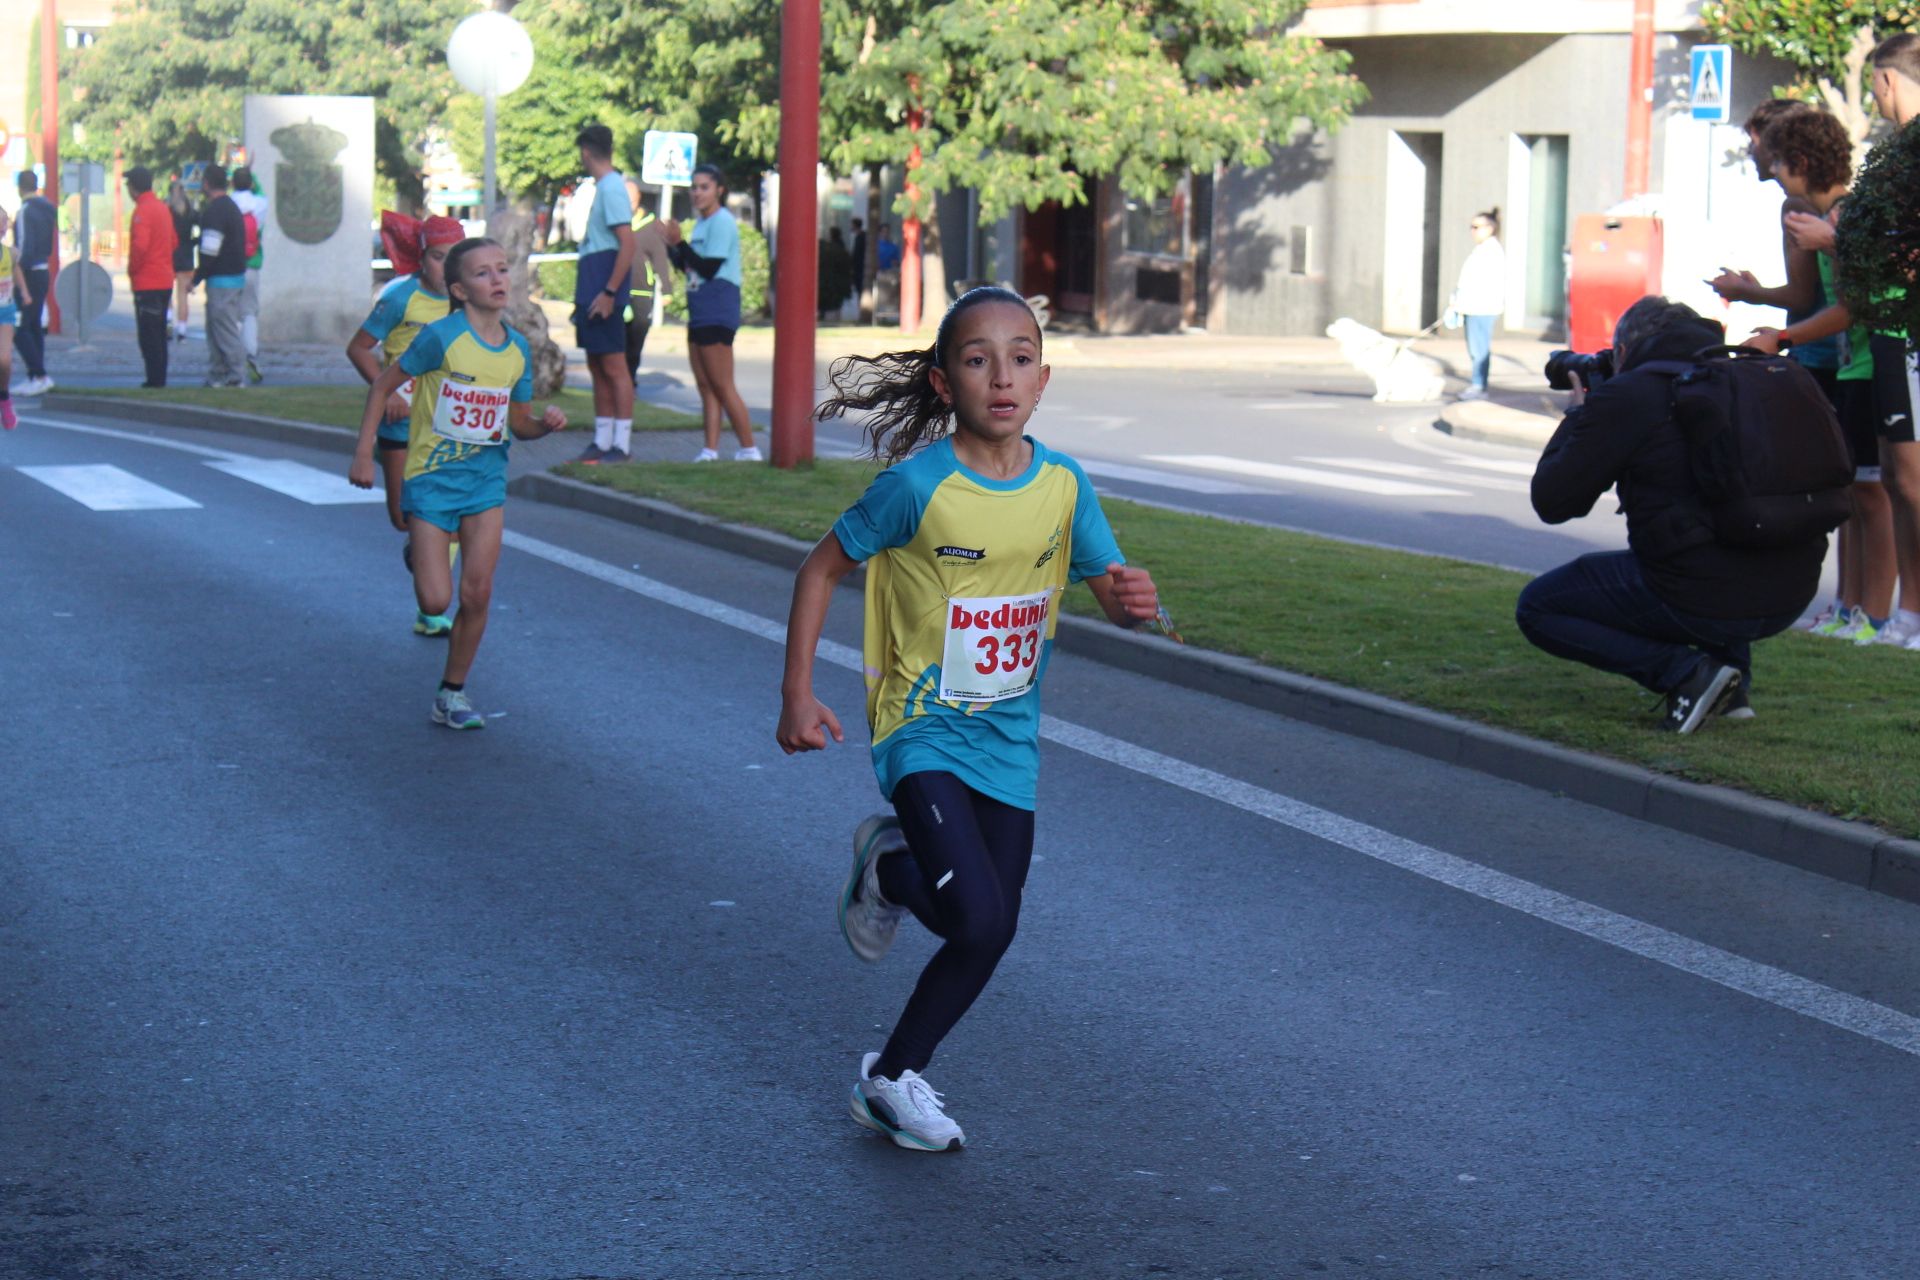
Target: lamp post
[490, 54]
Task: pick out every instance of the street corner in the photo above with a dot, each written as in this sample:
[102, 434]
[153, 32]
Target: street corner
[1525, 421]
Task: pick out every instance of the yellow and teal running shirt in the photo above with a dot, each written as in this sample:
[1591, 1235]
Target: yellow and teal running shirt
[402, 310]
[964, 578]
[461, 389]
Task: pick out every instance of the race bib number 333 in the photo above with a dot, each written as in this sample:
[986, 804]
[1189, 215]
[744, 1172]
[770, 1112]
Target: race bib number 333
[466, 414]
[993, 647]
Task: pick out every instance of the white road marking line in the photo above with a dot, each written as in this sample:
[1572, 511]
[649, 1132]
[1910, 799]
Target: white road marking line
[1412, 471]
[1165, 479]
[1303, 406]
[297, 480]
[1309, 475]
[1495, 464]
[107, 488]
[1775, 986]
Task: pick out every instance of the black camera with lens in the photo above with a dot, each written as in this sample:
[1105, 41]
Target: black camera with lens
[1591, 368]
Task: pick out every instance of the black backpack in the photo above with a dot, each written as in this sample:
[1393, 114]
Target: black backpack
[1764, 446]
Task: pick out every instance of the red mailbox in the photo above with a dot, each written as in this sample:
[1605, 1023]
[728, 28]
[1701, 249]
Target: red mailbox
[1616, 262]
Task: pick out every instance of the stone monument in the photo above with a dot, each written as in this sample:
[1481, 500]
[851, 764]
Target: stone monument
[312, 158]
[513, 228]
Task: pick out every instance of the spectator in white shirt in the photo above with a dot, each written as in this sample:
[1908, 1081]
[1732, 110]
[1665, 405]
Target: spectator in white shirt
[1481, 296]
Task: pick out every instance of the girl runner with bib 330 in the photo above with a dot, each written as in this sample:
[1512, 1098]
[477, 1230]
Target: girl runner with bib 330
[473, 378]
[969, 539]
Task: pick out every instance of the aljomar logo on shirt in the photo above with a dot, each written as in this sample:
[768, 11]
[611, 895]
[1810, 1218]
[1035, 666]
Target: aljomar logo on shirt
[960, 553]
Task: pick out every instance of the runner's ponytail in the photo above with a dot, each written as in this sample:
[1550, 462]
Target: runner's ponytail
[895, 389]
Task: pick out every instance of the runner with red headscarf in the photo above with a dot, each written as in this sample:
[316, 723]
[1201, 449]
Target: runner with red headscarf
[415, 299]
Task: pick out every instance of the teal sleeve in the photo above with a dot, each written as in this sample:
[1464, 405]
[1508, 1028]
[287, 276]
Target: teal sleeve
[887, 515]
[1094, 547]
[617, 210]
[389, 310]
[427, 353]
[523, 388]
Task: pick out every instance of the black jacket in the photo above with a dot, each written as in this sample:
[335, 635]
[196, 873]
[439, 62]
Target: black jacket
[223, 215]
[34, 232]
[1624, 435]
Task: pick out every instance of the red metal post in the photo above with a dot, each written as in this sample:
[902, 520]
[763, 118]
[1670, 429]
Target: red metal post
[50, 138]
[796, 282]
[910, 229]
[1640, 104]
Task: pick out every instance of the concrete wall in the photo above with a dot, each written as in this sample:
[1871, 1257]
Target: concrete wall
[314, 292]
[1477, 93]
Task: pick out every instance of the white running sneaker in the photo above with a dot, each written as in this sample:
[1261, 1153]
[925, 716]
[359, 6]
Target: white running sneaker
[707, 455]
[749, 454]
[907, 1110]
[1817, 621]
[867, 920]
[1859, 627]
[1898, 632]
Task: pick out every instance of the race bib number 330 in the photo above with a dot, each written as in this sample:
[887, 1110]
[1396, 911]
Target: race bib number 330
[466, 414]
[993, 647]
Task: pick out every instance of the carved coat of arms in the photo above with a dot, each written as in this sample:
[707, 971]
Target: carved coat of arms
[309, 186]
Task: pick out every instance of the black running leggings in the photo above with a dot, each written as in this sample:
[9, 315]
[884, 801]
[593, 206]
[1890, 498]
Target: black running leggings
[961, 879]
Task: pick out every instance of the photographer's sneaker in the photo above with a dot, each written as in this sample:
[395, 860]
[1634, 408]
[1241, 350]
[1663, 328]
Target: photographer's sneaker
[1735, 705]
[907, 1110]
[1698, 696]
[867, 920]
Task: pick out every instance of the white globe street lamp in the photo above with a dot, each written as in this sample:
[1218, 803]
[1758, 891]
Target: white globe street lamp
[490, 54]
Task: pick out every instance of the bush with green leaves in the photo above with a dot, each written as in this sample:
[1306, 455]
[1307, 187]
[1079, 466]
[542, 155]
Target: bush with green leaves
[556, 278]
[1877, 251]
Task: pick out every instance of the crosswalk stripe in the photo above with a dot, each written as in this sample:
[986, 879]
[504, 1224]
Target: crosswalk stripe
[1165, 479]
[297, 480]
[102, 487]
[1411, 471]
[1309, 475]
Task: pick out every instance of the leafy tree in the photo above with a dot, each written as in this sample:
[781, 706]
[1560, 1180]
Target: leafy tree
[1827, 41]
[1021, 99]
[169, 78]
[1877, 252]
[534, 152]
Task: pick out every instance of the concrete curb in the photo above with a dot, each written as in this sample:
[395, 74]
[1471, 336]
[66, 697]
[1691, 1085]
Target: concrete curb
[1848, 851]
[1494, 423]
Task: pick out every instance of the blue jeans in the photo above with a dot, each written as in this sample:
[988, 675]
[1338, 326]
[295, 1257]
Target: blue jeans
[1480, 347]
[1599, 610]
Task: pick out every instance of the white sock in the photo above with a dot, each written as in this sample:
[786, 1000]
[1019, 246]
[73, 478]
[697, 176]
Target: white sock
[603, 433]
[622, 435]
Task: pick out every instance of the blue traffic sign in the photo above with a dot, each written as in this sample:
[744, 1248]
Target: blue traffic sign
[1712, 81]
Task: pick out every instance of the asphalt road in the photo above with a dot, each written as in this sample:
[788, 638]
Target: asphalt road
[295, 984]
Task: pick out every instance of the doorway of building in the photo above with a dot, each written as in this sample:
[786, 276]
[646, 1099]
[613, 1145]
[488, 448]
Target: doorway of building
[1536, 233]
[1412, 295]
[1059, 246]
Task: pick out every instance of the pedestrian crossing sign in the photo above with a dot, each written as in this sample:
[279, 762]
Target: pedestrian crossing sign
[1712, 81]
[667, 158]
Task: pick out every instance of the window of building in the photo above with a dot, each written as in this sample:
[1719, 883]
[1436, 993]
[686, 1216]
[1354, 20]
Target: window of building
[1156, 227]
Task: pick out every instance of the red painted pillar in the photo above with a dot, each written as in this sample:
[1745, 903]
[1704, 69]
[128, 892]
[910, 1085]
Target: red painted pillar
[796, 280]
[1640, 102]
[50, 138]
[910, 229]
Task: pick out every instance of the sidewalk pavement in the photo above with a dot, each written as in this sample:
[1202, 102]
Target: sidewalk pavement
[111, 354]
[1855, 852]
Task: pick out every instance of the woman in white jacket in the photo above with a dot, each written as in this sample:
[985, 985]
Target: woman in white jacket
[1481, 296]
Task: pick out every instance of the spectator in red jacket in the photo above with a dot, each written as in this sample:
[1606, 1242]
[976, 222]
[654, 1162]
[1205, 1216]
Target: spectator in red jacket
[150, 271]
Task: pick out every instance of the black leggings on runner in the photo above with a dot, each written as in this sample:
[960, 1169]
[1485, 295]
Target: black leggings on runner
[962, 880]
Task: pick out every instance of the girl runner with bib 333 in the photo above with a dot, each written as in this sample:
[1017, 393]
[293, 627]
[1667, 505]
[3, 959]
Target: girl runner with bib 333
[473, 378]
[969, 537]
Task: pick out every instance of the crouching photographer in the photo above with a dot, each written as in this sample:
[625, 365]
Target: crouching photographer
[1730, 470]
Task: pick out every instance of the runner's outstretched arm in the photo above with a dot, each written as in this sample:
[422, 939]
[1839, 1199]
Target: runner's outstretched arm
[805, 721]
[360, 473]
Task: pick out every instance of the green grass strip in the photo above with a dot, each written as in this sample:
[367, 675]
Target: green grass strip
[341, 406]
[1837, 729]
